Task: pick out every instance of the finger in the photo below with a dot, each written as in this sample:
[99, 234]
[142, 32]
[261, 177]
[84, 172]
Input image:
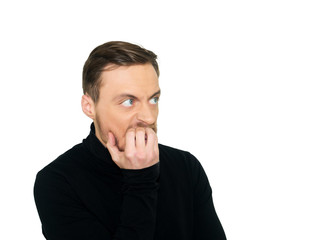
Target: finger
[130, 140]
[152, 140]
[112, 147]
[140, 138]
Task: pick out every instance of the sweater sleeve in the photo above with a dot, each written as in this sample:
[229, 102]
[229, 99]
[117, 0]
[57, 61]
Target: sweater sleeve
[140, 194]
[64, 217]
[207, 225]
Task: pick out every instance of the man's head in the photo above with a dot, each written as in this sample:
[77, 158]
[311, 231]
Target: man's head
[114, 53]
[121, 89]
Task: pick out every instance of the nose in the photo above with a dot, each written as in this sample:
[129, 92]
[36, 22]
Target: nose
[147, 114]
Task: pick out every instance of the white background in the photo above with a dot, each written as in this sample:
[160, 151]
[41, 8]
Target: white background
[240, 90]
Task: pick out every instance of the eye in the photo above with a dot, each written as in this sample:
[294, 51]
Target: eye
[127, 103]
[154, 100]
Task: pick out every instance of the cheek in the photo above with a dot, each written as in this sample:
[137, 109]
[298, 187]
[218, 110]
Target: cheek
[120, 129]
[119, 125]
[156, 112]
[118, 122]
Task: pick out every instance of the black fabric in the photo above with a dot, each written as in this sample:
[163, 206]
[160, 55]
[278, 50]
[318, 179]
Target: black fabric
[83, 194]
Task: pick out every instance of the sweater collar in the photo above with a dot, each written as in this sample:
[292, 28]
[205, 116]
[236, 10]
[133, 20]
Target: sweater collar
[97, 149]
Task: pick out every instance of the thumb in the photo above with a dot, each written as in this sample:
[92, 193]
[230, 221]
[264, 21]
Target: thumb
[112, 147]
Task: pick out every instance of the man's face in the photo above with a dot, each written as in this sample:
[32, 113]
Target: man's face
[128, 99]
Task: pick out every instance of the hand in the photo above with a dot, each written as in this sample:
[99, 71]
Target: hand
[141, 150]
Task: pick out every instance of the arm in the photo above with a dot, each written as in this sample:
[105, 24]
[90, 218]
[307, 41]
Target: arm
[64, 217]
[62, 214]
[140, 167]
[206, 223]
[140, 193]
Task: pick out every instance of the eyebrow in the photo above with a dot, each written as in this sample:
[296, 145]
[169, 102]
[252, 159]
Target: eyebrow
[126, 95]
[155, 94]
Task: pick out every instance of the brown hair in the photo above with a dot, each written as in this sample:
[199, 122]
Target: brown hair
[117, 53]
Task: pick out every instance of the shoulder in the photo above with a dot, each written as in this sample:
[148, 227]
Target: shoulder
[170, 152]
[64, 165]
[183, 165]
[177, 156]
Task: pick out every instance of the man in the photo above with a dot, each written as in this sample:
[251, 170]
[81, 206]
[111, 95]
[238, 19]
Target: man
[119, 183]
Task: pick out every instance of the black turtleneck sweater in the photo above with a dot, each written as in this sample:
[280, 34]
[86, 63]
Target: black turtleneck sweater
[83, 194]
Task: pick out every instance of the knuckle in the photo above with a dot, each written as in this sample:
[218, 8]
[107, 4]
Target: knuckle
[151, 156]
[141, 156]
[129, 155]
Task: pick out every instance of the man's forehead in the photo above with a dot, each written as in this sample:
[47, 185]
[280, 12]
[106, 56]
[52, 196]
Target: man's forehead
[136, 80]
[133, 95]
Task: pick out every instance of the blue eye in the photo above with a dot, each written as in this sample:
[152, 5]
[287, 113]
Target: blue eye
[154, 100]
[127, 103]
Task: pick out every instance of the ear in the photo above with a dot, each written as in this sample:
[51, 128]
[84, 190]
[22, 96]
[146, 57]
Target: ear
[88, 106]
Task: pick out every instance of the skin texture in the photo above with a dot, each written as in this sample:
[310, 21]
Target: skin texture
[125, 116]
